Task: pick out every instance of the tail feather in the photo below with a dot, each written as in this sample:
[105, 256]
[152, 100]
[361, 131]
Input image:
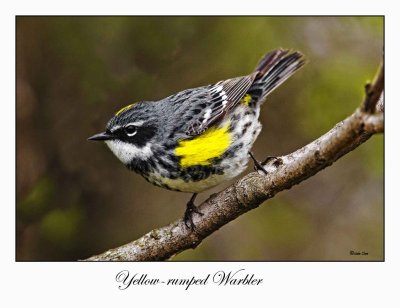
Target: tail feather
[273, 69]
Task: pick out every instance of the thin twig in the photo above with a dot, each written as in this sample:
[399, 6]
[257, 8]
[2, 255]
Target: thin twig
[374, 90]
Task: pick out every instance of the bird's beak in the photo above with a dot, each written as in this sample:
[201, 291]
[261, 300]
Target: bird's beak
[102, 137]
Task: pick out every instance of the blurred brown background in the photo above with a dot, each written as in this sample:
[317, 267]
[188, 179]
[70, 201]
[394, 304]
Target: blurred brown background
[75, 199]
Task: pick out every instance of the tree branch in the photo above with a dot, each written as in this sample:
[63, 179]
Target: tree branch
[254, 188]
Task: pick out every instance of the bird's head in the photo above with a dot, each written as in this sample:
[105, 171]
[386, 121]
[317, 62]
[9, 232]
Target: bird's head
[130, 132]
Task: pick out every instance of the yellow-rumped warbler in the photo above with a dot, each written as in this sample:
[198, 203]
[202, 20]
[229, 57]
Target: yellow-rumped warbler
[201, 137]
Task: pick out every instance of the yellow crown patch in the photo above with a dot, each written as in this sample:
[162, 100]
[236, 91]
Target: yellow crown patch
[125, 108]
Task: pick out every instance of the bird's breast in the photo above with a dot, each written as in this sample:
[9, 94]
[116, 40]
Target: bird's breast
[214, 157]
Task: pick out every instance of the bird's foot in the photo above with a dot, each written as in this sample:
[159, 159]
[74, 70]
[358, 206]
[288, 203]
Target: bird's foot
[190, 209]
[259, 166]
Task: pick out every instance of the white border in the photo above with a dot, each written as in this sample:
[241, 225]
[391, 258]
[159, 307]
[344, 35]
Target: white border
[286, 284]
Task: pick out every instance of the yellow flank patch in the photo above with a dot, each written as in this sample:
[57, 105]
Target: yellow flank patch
[125, 108]
[200, 150]
[246, 99]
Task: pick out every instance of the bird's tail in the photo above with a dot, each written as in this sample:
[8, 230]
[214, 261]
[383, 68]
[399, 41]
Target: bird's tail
[273, 69]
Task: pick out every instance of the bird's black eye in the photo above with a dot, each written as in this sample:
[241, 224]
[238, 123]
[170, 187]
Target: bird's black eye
[130, 130]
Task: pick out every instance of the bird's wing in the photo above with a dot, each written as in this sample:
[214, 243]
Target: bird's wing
[211, 105]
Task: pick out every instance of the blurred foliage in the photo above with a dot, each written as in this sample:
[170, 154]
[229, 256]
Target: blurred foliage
[60, 227]
[75, 199]
[37, 202]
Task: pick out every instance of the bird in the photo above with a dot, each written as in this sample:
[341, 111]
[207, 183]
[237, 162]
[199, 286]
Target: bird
[201, 137]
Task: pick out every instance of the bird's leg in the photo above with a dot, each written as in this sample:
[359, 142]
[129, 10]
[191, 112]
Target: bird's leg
[258, 165]
[190, 209]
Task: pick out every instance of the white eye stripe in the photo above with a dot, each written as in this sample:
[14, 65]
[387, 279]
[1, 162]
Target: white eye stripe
[115, 128]
[137, 123]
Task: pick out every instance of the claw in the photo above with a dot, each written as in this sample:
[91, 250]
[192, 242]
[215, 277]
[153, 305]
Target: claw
[268, 159]
[190, 209]
[257, 165]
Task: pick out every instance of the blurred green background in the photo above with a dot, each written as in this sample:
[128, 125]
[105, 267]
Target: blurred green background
[75, 199]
